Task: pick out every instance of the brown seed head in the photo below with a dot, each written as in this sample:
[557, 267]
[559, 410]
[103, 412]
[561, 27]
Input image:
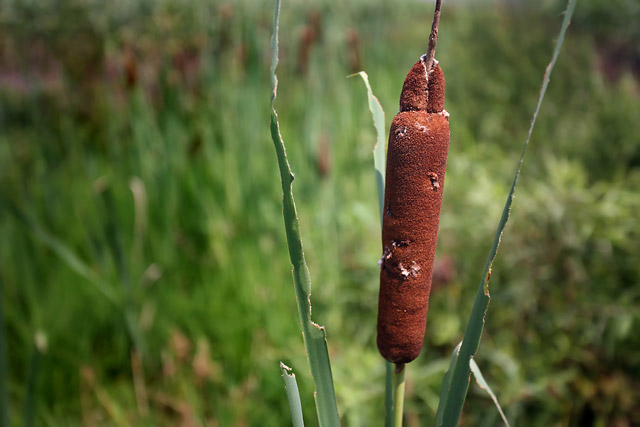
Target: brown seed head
[416, 163]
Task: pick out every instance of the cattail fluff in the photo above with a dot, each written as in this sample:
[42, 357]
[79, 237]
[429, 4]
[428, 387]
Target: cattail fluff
[416, 162]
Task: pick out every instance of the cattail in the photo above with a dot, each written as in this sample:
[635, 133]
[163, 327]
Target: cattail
[353, 44]
[416, 162]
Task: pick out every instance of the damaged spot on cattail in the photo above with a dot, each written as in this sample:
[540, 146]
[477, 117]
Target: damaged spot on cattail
[403, 271]
[401, 131]
[434, 180]
[389, 209]
[386, 255]
[411, 271]
[400, 243]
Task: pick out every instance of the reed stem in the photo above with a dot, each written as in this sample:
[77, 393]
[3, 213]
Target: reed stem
[398, 394]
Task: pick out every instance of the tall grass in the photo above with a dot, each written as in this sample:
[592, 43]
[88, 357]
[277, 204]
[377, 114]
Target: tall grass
[314, 335]
[4, 404]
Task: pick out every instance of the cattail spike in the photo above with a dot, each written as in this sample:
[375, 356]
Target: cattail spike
[416, 163]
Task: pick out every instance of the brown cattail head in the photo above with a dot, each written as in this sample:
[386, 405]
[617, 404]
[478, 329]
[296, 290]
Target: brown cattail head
[416, 163]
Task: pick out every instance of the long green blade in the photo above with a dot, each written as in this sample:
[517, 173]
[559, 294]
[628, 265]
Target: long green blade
[314, 334]
[293, 395]
[485, 386]
[446, 384]
[380, 164]
[379, 161]
[460, 376]
[62, 251]
[4, 396]
[37, 352]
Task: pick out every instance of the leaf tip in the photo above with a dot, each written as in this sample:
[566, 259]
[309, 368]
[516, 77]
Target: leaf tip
[287, 370]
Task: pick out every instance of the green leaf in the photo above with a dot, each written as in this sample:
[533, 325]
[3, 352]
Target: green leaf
[293, 395]
[34, 370]
[313, 334]
[446, 384]
[379, 160]
[4, 395]
[485, 386]
[380, 164]
[461, 371]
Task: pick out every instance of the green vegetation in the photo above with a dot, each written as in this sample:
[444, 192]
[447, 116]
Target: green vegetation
[315, 337]
[140, 210]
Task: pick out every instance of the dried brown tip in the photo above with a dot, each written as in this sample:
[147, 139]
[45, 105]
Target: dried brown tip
[422, 90]
[414, 90]
[435, 90]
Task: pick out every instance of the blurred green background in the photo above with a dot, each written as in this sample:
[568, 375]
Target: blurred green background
[144, 275]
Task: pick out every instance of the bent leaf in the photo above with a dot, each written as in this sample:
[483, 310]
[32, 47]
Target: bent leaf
[485, 386]
[379, 163]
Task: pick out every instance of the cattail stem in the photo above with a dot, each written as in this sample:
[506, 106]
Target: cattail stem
[433, 37]
[398, 394]
[388, 394]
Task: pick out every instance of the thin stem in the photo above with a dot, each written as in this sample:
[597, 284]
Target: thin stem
[398, 398]
[139, 384]
[433, 37]
[32, 376]
[4, 396]
[388, 394]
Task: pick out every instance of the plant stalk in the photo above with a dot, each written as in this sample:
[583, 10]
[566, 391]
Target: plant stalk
[433, 37]
[388, 394]
[398, 392]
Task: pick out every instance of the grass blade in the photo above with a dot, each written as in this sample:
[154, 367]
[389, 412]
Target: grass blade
[293, 395]
[446, 384]
[37, 353]
[313, 334]
[485, 386]
[63, 252]
[379, 160]
[4, 396]
[380, 164]
[457, 391]
[29, 400]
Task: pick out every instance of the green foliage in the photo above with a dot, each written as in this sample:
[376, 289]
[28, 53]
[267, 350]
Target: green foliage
[379, 150]
[315, 338]
[201, 231]
[293, 395]
[380, 164]
[457, 384]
